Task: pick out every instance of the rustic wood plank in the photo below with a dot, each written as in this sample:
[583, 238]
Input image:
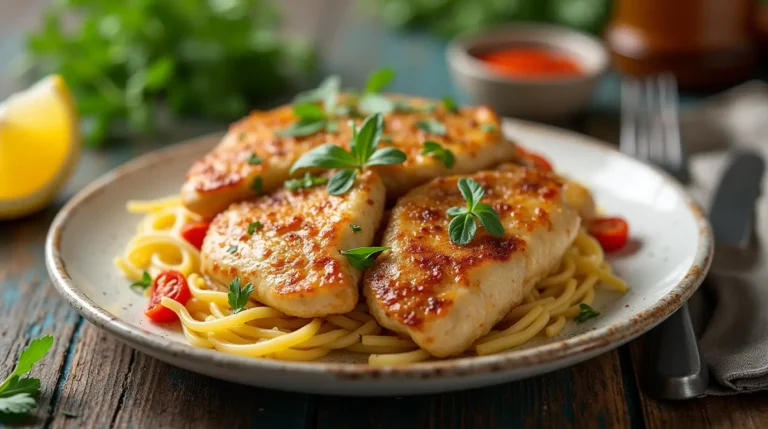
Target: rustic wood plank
[588, 395]
[743, 411]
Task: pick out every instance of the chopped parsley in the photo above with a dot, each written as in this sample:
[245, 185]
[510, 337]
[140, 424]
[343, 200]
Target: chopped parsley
[143, 284]
[253, 226]
[254, 159]
[257, 186]
[238, 297]
[232, 249]
[585, 313]
[355, 227]
[363, 257]
[305, 182]
[432, 126]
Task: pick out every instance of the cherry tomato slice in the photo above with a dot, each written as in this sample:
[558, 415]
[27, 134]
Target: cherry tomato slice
[533, 160]
[611, 232]
[194, 233]
[171, 284]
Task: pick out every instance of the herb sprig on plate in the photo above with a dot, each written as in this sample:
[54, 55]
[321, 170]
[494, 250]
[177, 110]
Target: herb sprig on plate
[363, 153]
[463, 227]
[17, 394]
[237, 296]
[143, 284]
[363, 257]
[434, 149]
[585, 313]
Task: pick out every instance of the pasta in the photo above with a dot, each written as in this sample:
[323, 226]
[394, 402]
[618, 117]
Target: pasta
[261, 331]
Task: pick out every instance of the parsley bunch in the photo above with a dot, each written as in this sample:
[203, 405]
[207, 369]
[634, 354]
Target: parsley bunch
[17, 394]
[363, 153]
[462, 228]
[127, 60]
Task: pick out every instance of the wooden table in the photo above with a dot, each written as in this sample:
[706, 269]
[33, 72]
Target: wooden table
[91, 380]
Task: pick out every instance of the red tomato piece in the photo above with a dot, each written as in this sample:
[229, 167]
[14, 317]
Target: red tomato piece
[194, 233]
[611, 232]
[171, 284]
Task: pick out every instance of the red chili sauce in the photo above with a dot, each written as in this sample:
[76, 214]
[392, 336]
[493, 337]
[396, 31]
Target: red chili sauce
[531, 62]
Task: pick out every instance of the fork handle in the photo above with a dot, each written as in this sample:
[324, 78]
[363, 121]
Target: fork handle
[674, 368]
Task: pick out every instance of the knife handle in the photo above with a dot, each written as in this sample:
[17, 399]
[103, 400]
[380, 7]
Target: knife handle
[674, 368]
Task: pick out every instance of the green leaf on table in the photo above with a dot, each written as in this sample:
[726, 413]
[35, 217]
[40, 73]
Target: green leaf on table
[363, 257]
[238, 297]
[379, 79]
[435, 150]
[20, 403]
[432, 126]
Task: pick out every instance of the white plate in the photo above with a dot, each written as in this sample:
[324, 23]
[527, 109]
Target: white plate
[672, 255]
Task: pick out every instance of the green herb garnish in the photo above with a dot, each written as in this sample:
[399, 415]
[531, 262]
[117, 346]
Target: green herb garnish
[144, 283]
[404, 107]
[585, 313]
[462, 228]
[355, 227]
[232, 249]
[450, 105]
[363, 153]
[305, 182]
[363, 257]
[237, 297]
[257, 186]
[312, 117]
[17, 394]
[371, 102]
[254, 159]
[253, 226]
[432, 126]
[488, 128]
[434, 149]
[379, 79]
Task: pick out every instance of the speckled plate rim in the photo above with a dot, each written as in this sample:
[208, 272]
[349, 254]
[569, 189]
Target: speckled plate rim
[599, 339]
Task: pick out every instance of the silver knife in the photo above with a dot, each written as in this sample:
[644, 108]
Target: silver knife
[674, 368]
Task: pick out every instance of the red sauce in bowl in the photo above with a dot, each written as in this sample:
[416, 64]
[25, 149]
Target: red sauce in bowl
[531, 63]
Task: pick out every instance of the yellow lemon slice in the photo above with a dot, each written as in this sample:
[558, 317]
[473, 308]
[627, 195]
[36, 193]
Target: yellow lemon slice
[39, 145]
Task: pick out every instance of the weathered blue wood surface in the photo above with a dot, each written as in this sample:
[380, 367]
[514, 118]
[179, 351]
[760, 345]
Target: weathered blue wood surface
[107, 384]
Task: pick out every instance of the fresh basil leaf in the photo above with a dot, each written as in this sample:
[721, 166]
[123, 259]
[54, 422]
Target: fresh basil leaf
[305, 182]
[456, 211]
[490, 221]
[302, 128]
[254, 159]
[462, 229]
[386, 156]
[363, 257]
[379, 79]
[367, 138]
[253, 226]
[375, 103]
[585, 313]
[257, 186]
[435, 150]
[355, 227]
[144, 283]
[237, 297]
[488, 128]
[342, 181]
[325, 156]
[309, 112]
[450, 105]
[471, 191]
[432, 126]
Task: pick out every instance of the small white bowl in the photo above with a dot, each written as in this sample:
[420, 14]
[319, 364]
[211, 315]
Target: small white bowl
[546, 99]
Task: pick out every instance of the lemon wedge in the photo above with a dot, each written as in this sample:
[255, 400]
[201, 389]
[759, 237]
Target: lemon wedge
[39, 146]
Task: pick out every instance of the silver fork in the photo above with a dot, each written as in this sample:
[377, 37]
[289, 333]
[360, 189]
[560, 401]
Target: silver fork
[673, 367]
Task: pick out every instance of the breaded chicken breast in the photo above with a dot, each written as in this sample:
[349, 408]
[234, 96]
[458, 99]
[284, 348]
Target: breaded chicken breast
[444, 295]
[254, 157]
[293, 256]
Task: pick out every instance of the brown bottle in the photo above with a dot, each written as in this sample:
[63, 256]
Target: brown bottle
[705, 43]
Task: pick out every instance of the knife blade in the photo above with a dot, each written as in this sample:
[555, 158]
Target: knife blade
[674, 365]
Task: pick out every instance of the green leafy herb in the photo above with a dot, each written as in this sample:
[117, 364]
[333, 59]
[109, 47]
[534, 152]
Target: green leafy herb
[363, 257]
[462, 228]
[585, 313]
[302, 128]
[305, 182]
[355, 227]
[379, 79]
[432, 126]
[237, 297]
[254, 159]
[253, 226]
[363, 153]
[375, 103]
[488, 128]
[127, 61]
[232, 249]
[450, 105]
[17, 394]
[327, 93]
[257, 186]
[144, 283]
[435, 150]
[405, 107]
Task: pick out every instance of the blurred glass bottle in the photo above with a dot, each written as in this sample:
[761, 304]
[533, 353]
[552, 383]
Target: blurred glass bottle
[705, 43]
